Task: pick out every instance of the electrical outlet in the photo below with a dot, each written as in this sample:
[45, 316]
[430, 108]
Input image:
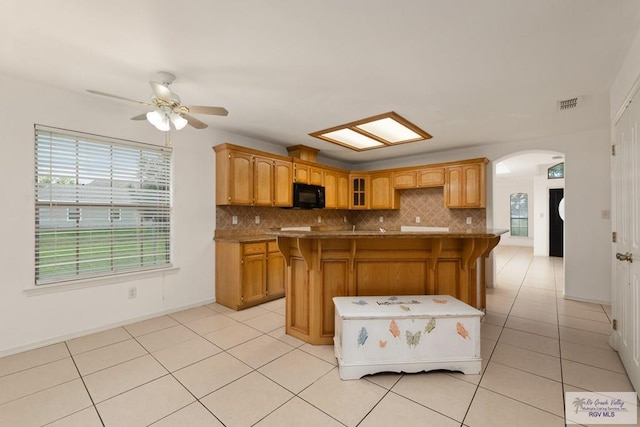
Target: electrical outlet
[319, 219]
[344, 218]
[133, 292]
[381, 219]
[257, 219]
[417, 220]
[468, 220]
[234, 220]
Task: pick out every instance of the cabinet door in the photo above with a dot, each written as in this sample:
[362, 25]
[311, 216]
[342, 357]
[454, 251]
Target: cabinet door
[241, 182]
[381, 191]
[330, 189]
[474, 182]
[276, 269]
[282, 183]
[343, 191]
[359, 188]
[254, 276]
[431, 177]
[405, 179]
[262, 181]
[316, 175]
[453, 187]
[301, 173]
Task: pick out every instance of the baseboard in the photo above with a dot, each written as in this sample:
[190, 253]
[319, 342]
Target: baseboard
[62, 338]
[579, 299]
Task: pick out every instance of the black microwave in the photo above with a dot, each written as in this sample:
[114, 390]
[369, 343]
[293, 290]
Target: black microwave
[307, 196]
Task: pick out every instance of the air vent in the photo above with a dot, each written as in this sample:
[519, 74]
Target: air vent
[568, 104]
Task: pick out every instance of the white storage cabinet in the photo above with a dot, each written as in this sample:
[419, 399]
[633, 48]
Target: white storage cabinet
[406, 334]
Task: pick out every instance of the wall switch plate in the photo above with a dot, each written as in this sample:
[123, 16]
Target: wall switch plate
[257, 219]
[319, 219]
[469, 220]
[133, 292]
[234, 220]
[381, 219]
[344, 218]
[417, 220]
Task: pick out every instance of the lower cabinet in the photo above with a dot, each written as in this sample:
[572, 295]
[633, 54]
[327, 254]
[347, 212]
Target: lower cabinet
[248, 273]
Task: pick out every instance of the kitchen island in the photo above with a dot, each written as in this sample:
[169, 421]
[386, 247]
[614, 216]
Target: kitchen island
[325, 264]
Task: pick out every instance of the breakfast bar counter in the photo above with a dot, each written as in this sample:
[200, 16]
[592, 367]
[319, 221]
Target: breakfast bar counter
[322, 265]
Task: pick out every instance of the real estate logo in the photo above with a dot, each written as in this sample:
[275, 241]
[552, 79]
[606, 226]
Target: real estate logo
[601, 407]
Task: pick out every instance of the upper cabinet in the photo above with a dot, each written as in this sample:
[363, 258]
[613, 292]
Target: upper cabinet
[359, 189]
[307, 172]
[418, 177]
[465, 185]
[254, 178]
[383, 195]
[336, 189]
[245, 177]
[430, 177]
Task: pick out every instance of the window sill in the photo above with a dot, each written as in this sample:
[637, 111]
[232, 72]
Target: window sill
[97, 281]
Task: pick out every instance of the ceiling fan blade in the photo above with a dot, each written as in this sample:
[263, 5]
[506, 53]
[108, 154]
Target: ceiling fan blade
[95, 92]
[142, 116]
[214, 111]
[194, 122]
[161, 92]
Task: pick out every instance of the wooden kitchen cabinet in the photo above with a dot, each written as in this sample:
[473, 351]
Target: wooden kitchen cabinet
[383, 195]
[276, 271]
[405, 179]
[359, 190]
[307, 172]
[465, 185]
[248, 178]
[430, 177]
[336, 188]
[248, 274]
[282, 183]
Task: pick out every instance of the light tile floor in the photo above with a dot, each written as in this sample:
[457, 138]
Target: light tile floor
[211, 366]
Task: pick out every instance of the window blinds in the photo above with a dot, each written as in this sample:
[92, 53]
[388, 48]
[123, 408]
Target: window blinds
[103, 206]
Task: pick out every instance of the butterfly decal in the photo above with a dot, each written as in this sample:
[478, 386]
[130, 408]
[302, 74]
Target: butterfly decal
[440, 301]
[393, 328]
[413, 339]
[360, 302]
[362, 336]
[382, 344]
[405, 308]
[430, 326]
[462, 331]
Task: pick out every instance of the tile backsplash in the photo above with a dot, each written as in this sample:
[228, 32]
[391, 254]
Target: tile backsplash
[426, 203]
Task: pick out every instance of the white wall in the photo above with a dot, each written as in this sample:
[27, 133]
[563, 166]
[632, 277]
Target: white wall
[27, 319]
[588, 181]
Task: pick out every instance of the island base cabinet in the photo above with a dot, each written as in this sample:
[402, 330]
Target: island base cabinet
[319, 270]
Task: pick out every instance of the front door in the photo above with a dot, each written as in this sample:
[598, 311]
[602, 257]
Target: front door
[556, 222]
[626, 213]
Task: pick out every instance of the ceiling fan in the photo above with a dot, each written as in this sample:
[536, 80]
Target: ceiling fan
[168, 109]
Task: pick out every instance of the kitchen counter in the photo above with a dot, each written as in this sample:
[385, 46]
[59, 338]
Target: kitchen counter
[376, 234]
[329, 263]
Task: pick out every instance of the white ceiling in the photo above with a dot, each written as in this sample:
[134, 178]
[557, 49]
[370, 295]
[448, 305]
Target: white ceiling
[469, 72]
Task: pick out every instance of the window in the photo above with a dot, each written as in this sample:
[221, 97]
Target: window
[519, 214]
[556, 171]
[102, 206]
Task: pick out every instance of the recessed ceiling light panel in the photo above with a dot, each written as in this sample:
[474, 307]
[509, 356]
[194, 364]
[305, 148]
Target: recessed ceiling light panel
[373, 132]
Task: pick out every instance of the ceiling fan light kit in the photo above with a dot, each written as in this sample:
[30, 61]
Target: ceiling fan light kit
[168, 107]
